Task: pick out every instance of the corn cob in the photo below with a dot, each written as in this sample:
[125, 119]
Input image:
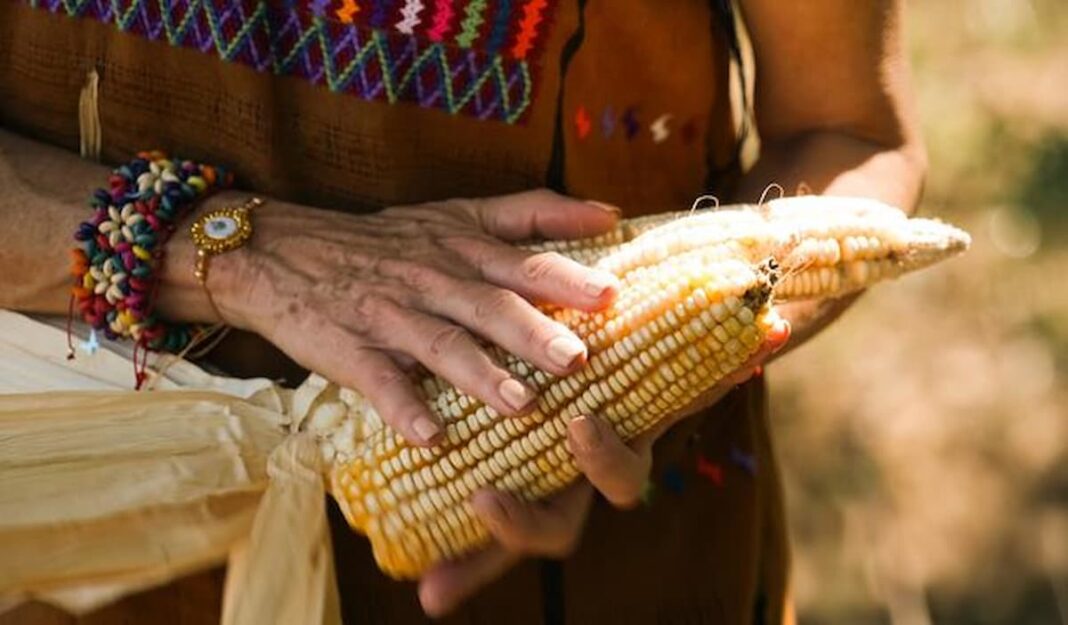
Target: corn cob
[694, 304]
[827, 246]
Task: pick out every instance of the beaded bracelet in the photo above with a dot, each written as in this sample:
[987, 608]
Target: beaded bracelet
[121, 248]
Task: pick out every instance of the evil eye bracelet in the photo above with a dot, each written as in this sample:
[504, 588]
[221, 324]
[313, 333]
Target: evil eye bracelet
[120, 248]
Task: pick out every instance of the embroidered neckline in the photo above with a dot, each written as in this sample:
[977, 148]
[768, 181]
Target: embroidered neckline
[460, 56]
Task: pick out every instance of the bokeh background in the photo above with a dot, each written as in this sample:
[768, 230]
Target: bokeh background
[925, 437]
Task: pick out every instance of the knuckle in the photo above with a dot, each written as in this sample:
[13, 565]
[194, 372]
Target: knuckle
[461, 211]
[421, 278]
[540, 266]
[370, 306]
[387, 378]
[447, 339]
[482, 254]
[494, 303]
[483, 214]
[469, 205]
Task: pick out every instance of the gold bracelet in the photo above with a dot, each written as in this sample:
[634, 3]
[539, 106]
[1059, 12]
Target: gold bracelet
[219, 231]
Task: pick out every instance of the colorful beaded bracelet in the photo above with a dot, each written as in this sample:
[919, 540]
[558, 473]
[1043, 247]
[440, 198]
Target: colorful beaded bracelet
[121, 247]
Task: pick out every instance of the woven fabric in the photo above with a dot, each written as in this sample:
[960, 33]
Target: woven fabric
[715, 539]
[458, 56]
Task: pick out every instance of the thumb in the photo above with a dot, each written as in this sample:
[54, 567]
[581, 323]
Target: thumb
[542, 214]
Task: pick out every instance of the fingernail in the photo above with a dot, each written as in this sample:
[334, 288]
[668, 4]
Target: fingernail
[565, 350]
[486, 505]
[608, 208]
[781, 334]
[598, 282]
[431, 603]
[515, 394]
[426, 429]
[586, 433]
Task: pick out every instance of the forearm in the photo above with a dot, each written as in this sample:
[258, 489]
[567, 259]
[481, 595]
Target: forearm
[832, 163]
[836, 163]
[43, 200]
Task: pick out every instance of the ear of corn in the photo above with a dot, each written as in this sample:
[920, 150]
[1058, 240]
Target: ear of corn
[826, 246]
[675, 330]
[695, 303]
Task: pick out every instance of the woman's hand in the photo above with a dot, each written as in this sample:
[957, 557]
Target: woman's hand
[359, 299]
[552, 528]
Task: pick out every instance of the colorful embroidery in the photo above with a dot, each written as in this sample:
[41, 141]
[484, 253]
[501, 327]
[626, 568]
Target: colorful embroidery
[347, 10]
[443, 13]
[659, 128]
[502, 9]
[582, 122]
[674, 480]
[662, 128]
[528, 28]
[709, 470]
[410, 14]
[380, 13]
[472, 21]
[608, 122]
[747, 462]
[389, 50]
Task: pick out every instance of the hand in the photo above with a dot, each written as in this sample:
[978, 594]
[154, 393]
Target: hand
[359, 299]
[552, 528]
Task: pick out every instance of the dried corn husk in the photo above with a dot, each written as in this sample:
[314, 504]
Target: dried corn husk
[104, 492]
[284, 573]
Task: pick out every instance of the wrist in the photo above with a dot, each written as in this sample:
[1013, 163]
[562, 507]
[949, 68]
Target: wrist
[181, 296]
[118, 260]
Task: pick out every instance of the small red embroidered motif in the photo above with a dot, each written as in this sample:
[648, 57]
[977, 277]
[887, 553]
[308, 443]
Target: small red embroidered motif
[443, 15]
[528, 28]
[582, 122]
[710, 470]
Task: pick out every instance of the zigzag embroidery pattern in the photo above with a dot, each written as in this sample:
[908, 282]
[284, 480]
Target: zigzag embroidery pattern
[411, 17]
[528, 28]
[306, 38]
[441, 20]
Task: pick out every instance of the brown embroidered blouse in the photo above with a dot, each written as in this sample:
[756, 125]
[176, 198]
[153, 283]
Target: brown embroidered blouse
[361, 104]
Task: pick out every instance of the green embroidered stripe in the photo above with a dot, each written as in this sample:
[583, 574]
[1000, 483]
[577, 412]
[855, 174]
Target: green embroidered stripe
[469, 27]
